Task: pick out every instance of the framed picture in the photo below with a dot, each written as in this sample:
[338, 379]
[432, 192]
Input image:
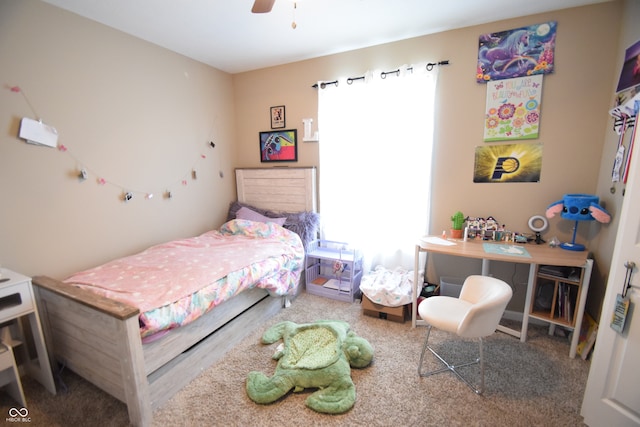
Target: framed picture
[277, 117]
[279, 146]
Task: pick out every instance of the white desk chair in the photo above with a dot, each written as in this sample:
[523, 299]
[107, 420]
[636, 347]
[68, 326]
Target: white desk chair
[475, 314]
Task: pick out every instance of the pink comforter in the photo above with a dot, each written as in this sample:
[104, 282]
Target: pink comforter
[176, 282]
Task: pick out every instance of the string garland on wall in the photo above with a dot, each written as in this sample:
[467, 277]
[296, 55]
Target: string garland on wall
[83, 173]
[127, 192]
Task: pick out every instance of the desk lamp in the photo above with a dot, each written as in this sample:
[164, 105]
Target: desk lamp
[578, 207]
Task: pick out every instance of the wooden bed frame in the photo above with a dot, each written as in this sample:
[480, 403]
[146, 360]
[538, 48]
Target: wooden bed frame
[99, 338]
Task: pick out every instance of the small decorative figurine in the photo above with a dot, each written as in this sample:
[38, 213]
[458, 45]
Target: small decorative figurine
[457, 221]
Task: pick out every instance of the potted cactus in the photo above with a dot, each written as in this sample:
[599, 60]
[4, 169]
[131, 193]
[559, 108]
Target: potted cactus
[457, 223]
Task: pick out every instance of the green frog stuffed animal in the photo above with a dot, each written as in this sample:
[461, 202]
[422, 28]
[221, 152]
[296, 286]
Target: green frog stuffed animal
[316, 355]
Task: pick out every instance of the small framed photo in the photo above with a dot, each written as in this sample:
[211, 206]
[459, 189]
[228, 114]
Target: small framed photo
[277, 117]
[279, 146]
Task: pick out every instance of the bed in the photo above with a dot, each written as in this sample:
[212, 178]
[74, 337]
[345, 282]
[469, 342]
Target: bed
[100, 338]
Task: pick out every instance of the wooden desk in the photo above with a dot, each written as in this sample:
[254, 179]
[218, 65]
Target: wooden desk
[539, 254]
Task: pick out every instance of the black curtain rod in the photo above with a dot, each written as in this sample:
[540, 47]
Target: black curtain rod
[383, 74]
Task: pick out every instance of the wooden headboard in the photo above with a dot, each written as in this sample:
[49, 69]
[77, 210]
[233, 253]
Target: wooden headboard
[278, 189]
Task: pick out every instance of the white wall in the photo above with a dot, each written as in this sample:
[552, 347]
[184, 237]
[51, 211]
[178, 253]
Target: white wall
[575, 101]
[128, 111]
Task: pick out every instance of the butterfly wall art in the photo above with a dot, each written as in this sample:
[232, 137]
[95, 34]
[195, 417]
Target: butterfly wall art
[513, 109]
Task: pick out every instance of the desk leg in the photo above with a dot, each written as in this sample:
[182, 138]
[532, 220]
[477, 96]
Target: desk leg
[584, 289]
[527, 301]
[522, 333]
[485, 267]
[416, 277]
[42, 369]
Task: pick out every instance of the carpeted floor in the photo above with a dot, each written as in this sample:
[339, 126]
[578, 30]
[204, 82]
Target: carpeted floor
[527, 384]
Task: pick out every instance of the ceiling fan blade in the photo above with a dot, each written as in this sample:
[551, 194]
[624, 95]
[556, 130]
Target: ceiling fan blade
[262, 6]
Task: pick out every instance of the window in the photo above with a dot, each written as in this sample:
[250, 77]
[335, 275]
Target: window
[376, 142]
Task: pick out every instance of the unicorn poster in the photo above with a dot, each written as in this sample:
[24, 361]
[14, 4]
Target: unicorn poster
[513, 109]
[516, 53]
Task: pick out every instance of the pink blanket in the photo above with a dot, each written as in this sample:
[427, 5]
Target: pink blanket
[174, 283]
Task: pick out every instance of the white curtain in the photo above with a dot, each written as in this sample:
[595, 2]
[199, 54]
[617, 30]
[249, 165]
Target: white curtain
[376, 143]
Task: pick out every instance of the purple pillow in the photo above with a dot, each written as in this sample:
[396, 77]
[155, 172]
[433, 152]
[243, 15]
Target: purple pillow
[248, 214]
[305, 224]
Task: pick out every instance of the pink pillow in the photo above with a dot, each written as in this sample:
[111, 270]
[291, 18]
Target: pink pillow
[248, 214]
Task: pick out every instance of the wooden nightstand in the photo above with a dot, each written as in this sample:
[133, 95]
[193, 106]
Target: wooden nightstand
[18, 311]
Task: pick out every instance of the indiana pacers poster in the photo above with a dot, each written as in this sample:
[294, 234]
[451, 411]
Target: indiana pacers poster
[508, 163]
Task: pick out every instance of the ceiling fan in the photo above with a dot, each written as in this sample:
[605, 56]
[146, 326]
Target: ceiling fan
[265, 6]
[262, 6]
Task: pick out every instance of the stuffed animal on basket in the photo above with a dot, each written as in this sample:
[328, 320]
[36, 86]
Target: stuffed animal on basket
[315, 355]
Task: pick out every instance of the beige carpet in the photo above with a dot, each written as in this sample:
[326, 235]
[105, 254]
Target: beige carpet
[527, 384]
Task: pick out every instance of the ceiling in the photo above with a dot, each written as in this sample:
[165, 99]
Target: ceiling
[226, 35]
